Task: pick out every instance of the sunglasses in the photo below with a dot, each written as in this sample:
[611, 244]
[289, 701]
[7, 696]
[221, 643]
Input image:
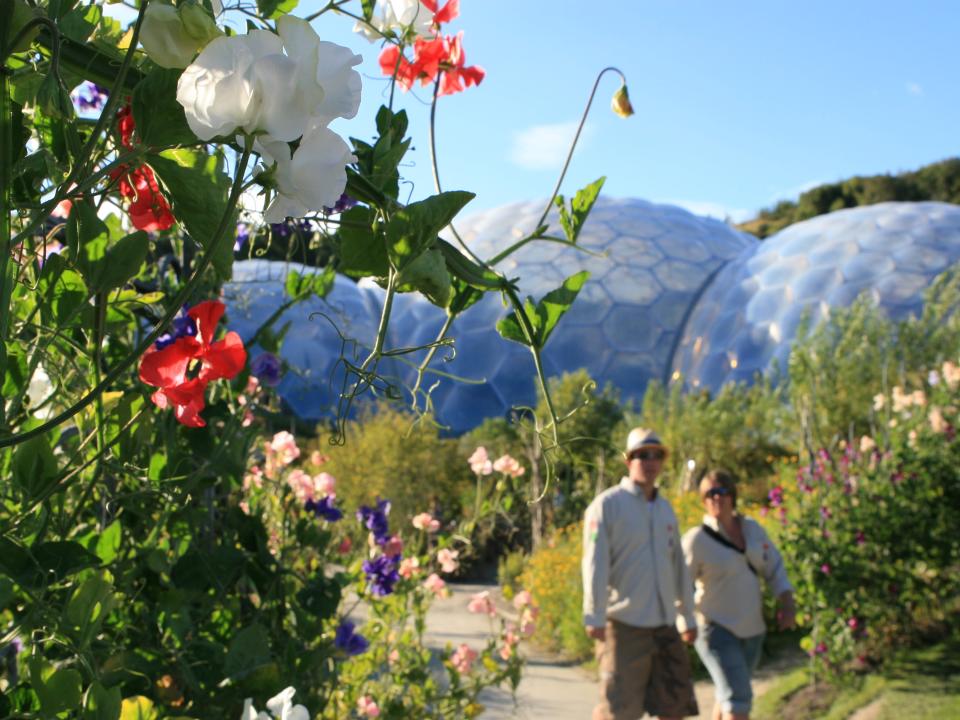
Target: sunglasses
[648, 455]
[716, 492]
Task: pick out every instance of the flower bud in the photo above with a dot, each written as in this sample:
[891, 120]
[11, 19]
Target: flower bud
[620, 103]
[198, 23]
[172, 38]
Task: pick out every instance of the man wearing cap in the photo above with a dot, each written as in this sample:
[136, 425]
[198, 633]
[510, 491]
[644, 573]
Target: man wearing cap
[637, 593]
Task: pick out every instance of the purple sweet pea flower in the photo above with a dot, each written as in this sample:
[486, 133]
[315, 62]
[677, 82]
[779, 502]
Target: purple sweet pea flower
[266, 367]
[243, 236]
[351, 642]
[375, 519]
[324, 508]
[342, 205]
[91, 97]
[382, 574]
[182, 326]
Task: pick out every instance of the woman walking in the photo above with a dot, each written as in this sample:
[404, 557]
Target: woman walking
[728, 555]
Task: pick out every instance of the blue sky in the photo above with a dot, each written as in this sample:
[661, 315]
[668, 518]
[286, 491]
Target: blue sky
[738, 103]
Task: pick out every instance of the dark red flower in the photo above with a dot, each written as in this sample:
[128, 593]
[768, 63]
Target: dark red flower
[149, 209]
[183, 369]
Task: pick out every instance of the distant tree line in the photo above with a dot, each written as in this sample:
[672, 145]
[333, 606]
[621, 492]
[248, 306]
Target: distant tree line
[937, 181]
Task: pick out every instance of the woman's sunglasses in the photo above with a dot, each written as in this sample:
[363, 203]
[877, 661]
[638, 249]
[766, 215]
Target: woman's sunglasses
[716, 492]
[648, 455]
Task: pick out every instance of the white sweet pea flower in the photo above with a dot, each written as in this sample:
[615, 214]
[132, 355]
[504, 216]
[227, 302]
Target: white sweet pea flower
[280, 706]
[172, 37]
[247, 82]
[313, 178]
[396, 15]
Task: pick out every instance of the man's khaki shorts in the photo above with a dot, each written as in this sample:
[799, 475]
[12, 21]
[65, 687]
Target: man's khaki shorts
[644, 670]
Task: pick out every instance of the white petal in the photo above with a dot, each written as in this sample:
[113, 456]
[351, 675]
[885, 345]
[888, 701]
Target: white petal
[341, 84]
[319, 167]
[283, 207]
[249, 713]
[281, 702]
[214, 91]
[297, 712]
[279, 109]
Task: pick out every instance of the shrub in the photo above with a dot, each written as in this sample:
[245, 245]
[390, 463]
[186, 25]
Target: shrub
[552, 575]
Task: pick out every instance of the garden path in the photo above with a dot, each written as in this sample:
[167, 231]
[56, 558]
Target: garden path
[551, 689]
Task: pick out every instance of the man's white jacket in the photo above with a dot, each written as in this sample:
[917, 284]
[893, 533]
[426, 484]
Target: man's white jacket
[633, 565]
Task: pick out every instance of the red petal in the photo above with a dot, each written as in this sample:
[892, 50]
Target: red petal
[207, 314]
[473, 75]
[188, 402]
[168, 367]
[224, 359]
[450, 11]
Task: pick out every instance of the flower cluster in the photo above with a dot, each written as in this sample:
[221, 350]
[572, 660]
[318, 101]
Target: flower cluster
[148, 208]
[285, 87]
[183, 369]
[437, 58]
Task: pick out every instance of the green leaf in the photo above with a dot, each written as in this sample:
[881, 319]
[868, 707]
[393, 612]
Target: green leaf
[428, 275]
[58, 690]
[462, 296]
[510, 328]
[102, 703]
[62, 291]
[272, 9]
[555, 304]
[199, 190]
[159, 118]
[414, 228]
[108, 543]
[15, 562]
[61, 558]
[572, 220]
[460, 266]
[84, 227]
[138, 708]
[158, 463]
[367, 7]
[317, 282]
[34, 467]
[320, 597]
[15, 369]
[249, 649]
[362, 251]
[89, 607]
[80, 23]
[53, 100]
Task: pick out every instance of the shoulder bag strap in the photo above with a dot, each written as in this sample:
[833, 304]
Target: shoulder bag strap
[723, 541]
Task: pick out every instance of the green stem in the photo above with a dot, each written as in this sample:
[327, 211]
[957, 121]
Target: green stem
[6, 169]
[576, 137]
[422, 368]
[185, 294]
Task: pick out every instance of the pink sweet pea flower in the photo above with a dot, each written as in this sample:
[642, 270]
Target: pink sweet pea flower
[301, 484]
[426, 521]
[317, 458]
[254, 478]
[436, 585]
[522, 599]
[283, 447]
[367, 707]
[393, 547]
[508, 466]
[409, 567]
[463, 658]
[480, 462]
[481, 603]
[448, 560]
[325, 484]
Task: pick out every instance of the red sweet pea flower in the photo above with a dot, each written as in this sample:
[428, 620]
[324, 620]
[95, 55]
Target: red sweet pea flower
[431, 57]
[182, 369]
[445, 14]
[149, 209]
[455, 74]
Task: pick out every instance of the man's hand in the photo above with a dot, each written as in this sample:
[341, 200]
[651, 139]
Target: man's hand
[688, 636]
[786, 618]
[597, 633]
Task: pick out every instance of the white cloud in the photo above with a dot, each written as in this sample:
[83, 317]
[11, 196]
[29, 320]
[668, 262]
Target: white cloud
[713, 210]
[914, 89]
[545, 147]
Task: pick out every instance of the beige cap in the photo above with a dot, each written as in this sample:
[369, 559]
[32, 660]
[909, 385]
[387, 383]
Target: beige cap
[643, 438]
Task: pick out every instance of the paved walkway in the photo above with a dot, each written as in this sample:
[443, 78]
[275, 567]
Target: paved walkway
[550, 689]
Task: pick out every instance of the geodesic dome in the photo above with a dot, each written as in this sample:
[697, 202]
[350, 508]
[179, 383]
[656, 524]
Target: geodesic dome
[748, 316]
[670, 293]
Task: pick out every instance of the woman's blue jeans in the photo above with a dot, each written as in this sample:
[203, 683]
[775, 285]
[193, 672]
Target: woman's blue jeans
[730, 660]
